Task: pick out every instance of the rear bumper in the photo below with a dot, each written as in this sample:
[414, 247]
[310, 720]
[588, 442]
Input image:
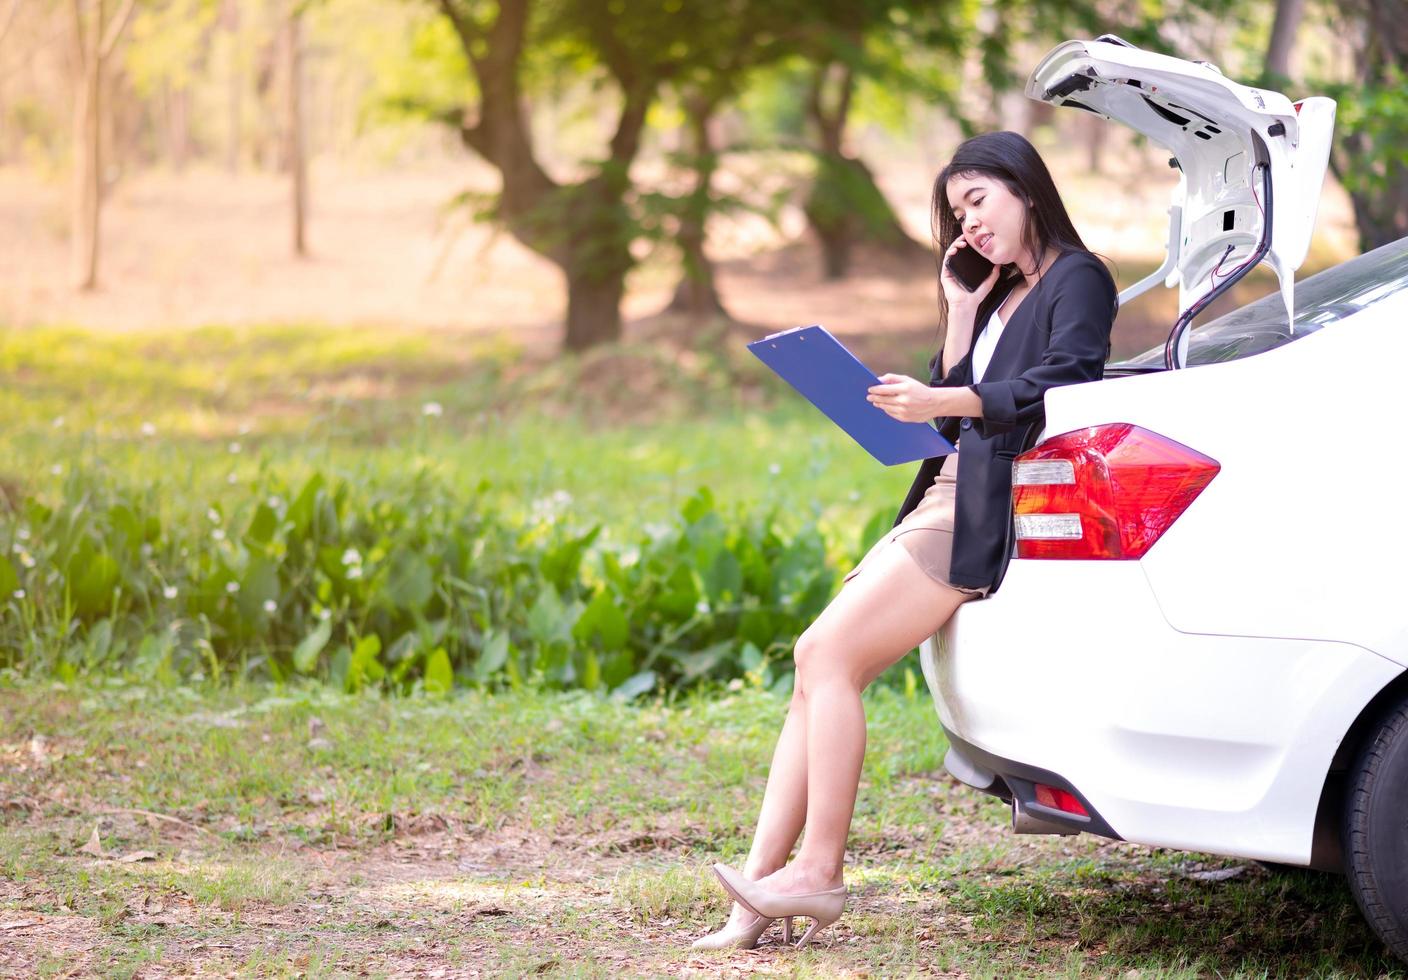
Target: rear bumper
[1192, 741]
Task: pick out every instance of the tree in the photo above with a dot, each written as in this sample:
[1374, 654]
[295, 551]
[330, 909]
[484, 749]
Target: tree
[586, 226]
[95, 36]
[1370, 154]
[915, 47]
[295, 152]
[1283, 36]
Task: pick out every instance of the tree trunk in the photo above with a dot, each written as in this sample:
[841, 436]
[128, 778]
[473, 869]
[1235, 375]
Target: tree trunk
[1283, 37]
[95, 39]
[593, 308]
[845, 207]
[87, 157]
[234, 86]
[696, 295]
[1097, 129]
[297, 159]
[583, 228]
[1367, 162]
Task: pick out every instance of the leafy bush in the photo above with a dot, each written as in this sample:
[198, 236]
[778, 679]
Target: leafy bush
[399, 582]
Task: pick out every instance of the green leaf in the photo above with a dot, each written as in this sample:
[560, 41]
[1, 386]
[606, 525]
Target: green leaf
[723, 578]
[340, 668]
[263, 525]
[363, 665]
[697, 506]
[562, 562]
[410, 583]
[9, 580]
[492, 657]
[439, 676]
[550, 620]
[305, 655]
[635, 685]
[603, 622]
[92, 591]
[591, 671]
[259, 585]
[300, 512]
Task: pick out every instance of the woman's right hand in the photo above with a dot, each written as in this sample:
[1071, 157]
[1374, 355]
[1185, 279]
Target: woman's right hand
[959, 299]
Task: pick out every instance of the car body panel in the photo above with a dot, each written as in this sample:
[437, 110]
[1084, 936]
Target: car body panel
[1298, 535]
[1208, 743]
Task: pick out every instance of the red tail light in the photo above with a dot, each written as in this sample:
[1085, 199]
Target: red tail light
[1109, 491]
[1059, 799]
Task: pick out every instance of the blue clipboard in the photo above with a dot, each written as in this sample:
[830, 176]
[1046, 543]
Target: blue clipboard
[835, 381]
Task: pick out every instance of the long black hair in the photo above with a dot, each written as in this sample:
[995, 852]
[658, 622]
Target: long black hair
[1011, 159]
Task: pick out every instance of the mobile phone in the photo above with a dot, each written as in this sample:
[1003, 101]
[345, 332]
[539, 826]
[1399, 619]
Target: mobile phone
[969, 268]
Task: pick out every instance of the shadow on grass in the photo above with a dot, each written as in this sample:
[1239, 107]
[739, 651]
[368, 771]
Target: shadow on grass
[1260, 922]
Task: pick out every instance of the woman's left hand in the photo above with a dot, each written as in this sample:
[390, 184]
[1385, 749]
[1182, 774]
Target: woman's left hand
[903, 398]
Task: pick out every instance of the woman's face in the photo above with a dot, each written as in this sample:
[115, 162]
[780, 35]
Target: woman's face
[991, 217]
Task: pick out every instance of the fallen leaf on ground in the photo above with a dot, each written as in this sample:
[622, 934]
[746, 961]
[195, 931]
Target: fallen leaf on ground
[5, 926]
[94, 845]
[138, 856]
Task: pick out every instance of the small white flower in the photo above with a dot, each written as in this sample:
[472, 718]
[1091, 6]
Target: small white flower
[275, 501]
[58, 421]
[218, 534]
[148, 429]
[22, 534]
[19, 593]
[774, 469]
[702, 606]
[146, 549]
[57, 469]
[736, 684]
[170, 592]
[351, 557]
[325, 614]
[232, 587]
[432, 409]
[354, 572]
[213, 515]
[26, 559]
[270, 606]
[234, 447]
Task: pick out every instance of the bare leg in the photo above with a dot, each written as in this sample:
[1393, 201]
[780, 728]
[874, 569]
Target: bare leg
[884, 613]
[784, 803]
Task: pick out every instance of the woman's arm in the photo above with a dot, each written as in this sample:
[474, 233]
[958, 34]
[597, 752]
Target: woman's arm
[958, 338]
[962, 308]
[1082, 313]
[902, 397]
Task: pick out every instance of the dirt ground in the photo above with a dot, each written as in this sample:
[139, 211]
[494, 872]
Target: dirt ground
[441, 899]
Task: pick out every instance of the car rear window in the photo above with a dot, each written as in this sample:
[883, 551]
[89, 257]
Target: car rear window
[1322, 299]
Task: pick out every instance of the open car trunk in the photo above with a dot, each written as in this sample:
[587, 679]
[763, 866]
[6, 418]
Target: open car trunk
[1251, 164]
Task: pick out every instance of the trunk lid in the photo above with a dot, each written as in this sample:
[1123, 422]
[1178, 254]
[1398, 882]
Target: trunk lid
[1251, 161]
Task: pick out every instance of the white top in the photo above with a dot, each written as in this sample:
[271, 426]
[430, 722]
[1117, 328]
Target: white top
[985, 344]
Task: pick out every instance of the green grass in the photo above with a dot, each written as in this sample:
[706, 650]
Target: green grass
[570, 834]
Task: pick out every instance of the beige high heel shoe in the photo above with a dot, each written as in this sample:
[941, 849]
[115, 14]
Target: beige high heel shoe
[744, 936]
[823, 908]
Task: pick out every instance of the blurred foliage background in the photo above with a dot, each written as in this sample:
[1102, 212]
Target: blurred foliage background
[400, 342]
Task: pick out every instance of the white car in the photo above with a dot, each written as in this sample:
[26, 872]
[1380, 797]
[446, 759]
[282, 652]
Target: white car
[1201, 637]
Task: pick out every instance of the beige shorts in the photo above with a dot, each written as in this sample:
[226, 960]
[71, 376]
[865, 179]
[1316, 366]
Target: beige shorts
[927, 531]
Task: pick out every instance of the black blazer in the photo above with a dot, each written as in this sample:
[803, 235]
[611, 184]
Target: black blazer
[1059, 335]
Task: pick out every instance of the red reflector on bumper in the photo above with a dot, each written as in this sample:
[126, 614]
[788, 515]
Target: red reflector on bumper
[1059, 799]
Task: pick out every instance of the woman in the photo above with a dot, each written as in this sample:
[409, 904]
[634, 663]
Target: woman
[1041, 319]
